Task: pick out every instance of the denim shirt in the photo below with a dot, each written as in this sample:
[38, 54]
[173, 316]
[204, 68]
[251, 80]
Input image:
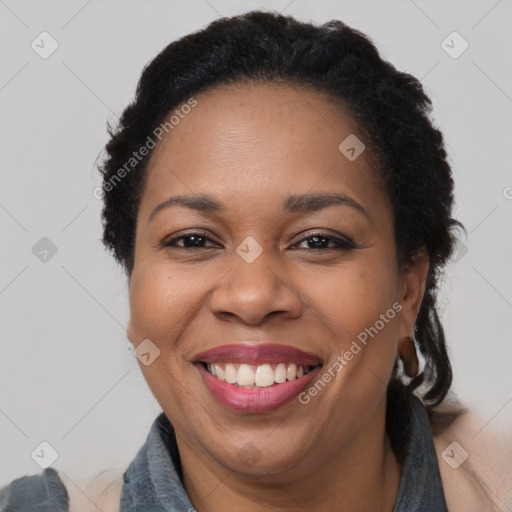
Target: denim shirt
[153, 480]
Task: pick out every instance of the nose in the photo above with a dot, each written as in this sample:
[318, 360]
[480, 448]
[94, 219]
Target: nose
[253, 292]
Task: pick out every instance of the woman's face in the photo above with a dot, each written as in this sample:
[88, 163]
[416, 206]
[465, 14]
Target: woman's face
[267, 267]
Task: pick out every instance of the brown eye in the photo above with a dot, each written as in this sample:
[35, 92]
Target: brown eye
[190, 241]
[322, 241]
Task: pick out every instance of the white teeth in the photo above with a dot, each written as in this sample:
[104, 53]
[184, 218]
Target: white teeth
[219, 371]
[292, 372]
[245, 375]
[280, 372]
[230, 373]
[263, 375]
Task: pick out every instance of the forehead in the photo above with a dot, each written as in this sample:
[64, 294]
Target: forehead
[258, 140]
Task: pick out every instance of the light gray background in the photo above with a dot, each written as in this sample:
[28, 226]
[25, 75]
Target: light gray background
[67, 372]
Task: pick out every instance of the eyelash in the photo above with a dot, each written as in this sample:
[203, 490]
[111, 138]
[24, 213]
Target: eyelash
[342, 244]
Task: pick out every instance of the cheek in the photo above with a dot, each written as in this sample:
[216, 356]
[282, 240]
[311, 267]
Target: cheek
[360, 308]
[353, 297]
[159, 303]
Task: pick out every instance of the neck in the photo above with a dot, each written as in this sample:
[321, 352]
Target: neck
[362, 475]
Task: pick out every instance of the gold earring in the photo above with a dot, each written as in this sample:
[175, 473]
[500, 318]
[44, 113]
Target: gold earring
[409, 357]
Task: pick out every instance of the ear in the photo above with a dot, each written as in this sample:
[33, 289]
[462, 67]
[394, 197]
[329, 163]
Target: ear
[413, 281]
[129, 332]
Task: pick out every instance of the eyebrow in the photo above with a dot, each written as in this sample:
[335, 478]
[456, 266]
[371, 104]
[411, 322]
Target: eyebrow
[302, 203]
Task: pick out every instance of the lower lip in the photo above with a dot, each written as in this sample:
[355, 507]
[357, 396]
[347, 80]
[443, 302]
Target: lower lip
[254, 400]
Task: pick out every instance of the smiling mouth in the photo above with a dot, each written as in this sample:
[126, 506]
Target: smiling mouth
[257, 376]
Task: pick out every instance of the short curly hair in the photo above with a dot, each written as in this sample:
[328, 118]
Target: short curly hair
[390, 107]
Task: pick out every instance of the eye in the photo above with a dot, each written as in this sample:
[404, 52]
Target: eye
[316, 241]
[190, 241]
[322, 241]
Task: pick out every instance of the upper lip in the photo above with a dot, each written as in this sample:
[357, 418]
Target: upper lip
[260, 353]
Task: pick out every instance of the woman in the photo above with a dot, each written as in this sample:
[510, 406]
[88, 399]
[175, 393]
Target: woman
[281, 203]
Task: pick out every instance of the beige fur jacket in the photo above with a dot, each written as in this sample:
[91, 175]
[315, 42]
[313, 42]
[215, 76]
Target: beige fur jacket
[476, 471]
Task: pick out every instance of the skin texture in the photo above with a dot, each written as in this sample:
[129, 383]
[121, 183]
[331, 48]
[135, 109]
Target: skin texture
[251, 146]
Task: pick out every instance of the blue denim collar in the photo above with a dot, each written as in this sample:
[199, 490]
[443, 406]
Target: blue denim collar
[38, 493]
[421, 488]
[152, 481]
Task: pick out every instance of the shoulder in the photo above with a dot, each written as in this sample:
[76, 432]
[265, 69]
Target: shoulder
[475, 463]
[60, 494]
[102, 491]
[29, 491]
